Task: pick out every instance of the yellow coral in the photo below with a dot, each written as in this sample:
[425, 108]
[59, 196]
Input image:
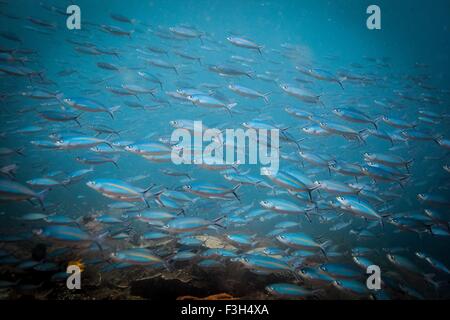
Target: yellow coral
[78, 263]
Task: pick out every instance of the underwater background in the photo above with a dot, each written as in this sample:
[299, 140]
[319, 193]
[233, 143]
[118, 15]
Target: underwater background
[363, 116]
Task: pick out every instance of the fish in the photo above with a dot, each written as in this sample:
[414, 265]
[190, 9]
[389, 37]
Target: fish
[247, 92]
[89, 131]
[301, 94]
[190, 224]
[15, 191]
[436, 264]
[320, 74]
[288, 290]
[64, 233]
[80, 142]
[284, 207]
[359, 208]
[118, 189]
[137, 256]
[208, 190]
[244, 43]
[89, 105]
[210, 102]
[301, 240]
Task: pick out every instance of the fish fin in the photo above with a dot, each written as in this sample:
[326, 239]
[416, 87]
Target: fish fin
[112, 110]
[265, 96]
[149, 188]
[229, 107]
[41, 196]
[324, 246]
[234, 191]
[19, 151]
[77, 120]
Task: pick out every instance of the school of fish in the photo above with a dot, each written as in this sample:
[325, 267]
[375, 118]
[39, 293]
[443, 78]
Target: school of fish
[86, 163]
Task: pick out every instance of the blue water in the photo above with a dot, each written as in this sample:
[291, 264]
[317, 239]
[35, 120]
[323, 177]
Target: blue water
[401, 69]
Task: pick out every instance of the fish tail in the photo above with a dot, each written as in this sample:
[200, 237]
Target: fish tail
[408, 163]
[146, 202]
[324, 246]
[151, 187]
[112, 110]
[229, 107]
[40, 196]
[265, 96]
[114, 161]
[437, 138]
[308, 217]
[236, 187]
[216, 222]
[76, 119]
[219, 218]
[19, 151]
